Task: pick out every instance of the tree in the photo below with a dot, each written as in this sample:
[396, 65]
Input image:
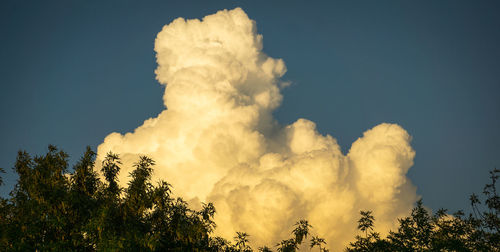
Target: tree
[301, 230]
[241, 240]
[487, 222]
[371, 241]
[414, 232]
[4, 227]
[40, 208]
[137, 201]
[365, 223]
[317, 242]
[84, 185]
[289, 245]
[110, 170]
[51, 208]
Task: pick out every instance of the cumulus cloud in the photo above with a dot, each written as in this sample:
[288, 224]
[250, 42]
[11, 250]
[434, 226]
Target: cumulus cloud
[217, 141]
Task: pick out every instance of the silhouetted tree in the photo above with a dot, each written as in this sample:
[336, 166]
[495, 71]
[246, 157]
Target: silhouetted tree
[301, 231]
[371, 241]
[318, 242]
[289, 245]
[84, 185]
[365, 223]
[40, 204]
[51, 209]
[241, 242]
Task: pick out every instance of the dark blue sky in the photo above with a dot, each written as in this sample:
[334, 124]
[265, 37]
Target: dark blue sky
[72, 72]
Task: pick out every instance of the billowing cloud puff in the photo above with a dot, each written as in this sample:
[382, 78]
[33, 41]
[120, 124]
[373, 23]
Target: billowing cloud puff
[217, 141]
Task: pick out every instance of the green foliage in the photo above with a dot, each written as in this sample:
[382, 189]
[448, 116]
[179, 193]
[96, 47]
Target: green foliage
[51, 209]
[371, 240]
[110, 170]
[440, 232]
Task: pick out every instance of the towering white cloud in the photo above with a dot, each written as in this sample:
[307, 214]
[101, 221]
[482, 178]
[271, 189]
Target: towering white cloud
[217, 141]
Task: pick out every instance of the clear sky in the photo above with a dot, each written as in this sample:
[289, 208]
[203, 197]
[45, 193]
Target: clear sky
[71, 72]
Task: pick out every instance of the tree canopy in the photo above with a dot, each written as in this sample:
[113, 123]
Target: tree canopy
[53, 208]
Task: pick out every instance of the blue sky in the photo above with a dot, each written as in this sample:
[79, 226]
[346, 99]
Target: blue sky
[71, 72]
